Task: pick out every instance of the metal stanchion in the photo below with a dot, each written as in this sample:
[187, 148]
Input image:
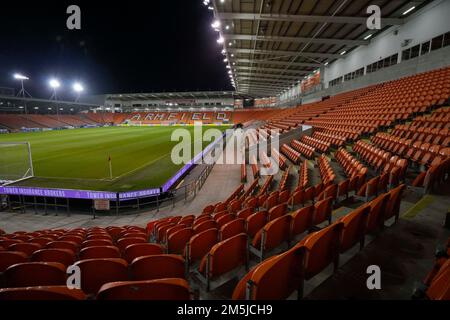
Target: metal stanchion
[35, 205]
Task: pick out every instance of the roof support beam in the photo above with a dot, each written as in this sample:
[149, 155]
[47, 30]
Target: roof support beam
[260, 89]
[268, 76]
[306, 18]
[252, 79]
[286, 53]
[342, 42]
[300, 72]
[266, 89]
[280, 63]
[259, 94]
[261, 86]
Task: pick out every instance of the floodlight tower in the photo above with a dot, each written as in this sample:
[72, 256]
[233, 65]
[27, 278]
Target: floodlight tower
[54, 84]
[78, 88]
[22, 93]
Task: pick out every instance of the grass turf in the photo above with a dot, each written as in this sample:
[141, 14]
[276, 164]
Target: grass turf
[78, 159]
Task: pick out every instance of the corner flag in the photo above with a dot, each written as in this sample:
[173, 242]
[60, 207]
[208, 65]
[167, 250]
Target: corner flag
[110, 168]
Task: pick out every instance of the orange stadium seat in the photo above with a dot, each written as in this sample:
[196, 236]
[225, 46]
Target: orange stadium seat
[46, 293]
[232, 229]
[158, 267]
[63, 256]
[98, 252]
[9, 258]
[159, 289]
[177, 241]
[321, 249]
[200, 244]
[137, 250]
[272, 235]
[223, 258]
[32, 274]
[274, 279]
[97, 272]
[354, 228]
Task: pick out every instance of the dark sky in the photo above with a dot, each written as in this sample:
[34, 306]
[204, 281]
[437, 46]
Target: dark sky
[123, 46]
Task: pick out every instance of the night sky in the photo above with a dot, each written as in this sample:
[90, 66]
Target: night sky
[123, 46]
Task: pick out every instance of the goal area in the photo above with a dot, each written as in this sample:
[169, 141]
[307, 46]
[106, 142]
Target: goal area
[16, 162]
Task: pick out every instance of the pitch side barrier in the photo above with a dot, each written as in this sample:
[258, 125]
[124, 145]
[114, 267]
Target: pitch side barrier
[53, 200]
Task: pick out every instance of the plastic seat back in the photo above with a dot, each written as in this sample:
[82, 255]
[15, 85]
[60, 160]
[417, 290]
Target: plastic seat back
[354, 227]
[302, 220]
[277, 211]
[63, 256]
[255, 222]
[158, 267]
[160, 289]
[97, 272]
[98, 252]
[176, 242]
[232, 228]
[275, 278]
[43, 293]
[33, 274]
[226, 256]
[322, 211]
[200, 244]
[322, 248]
[137, 250]
[9, 258]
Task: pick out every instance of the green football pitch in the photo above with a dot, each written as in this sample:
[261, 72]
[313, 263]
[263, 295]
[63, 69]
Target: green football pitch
[78, 159]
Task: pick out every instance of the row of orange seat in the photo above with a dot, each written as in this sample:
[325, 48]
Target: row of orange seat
[320, 145]
[265, 187]
[439, 119]
[291, 154]
[278, 277]
[420, 131]
[390, 102]
[421, 153]
[433, 176]
[103, 256]
[255, 167]
[326, 171]
[283, 184]
[303, 179]
[352, 167]
[243, 173]
[334, 140]
[373, 156]
[342, 131]
[292, 118]
[279, 158]
[306, 150]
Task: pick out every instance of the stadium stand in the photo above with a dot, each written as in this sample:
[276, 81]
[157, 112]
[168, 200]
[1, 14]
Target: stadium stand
[357, 167]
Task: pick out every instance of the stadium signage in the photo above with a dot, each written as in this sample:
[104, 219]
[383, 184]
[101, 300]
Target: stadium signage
[181, 116]
[57, 193]
[139, 194]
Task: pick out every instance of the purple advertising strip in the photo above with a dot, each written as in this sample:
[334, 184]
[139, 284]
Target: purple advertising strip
[188, 166]
[57, 193]
[138, 194]
[103, 195]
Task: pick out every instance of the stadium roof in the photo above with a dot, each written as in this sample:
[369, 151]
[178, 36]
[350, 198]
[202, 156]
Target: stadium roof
[128, 97]
[10, 103]
[282, 41]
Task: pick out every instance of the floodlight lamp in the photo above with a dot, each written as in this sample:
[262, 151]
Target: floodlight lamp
[19, 76]
[78, 87]
[54, 83]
